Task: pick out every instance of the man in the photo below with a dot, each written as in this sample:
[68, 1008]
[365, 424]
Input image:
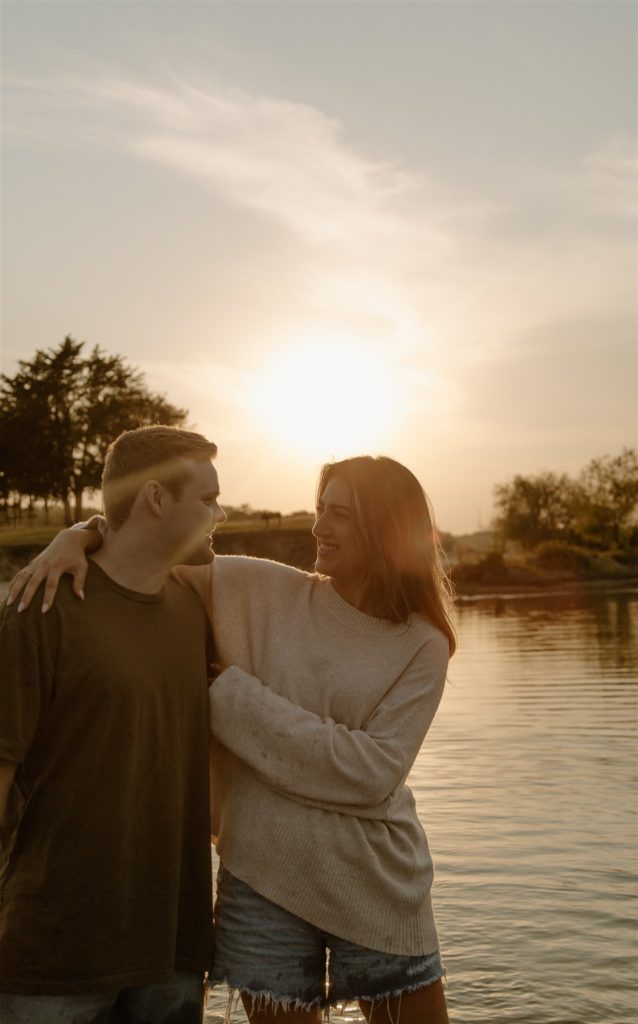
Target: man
[105, 880]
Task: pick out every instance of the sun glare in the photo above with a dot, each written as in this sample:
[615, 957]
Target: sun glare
[327, 398]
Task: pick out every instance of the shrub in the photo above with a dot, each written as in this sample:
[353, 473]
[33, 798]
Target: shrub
[628, 557]
[605, 564]
[487, 570]
[559, 555]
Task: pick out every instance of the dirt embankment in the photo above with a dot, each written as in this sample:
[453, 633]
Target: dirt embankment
[294, 547]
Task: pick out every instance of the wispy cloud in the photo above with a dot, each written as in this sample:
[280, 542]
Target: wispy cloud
[286, 160]
[612, 176]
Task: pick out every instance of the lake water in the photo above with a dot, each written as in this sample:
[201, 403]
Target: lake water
[525, 787]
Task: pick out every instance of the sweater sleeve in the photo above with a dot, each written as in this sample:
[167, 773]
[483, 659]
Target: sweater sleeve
[317, 759]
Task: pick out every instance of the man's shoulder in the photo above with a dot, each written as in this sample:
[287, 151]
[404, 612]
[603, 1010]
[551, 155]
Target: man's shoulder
[31, 622]
[179, 595]
[185, 611]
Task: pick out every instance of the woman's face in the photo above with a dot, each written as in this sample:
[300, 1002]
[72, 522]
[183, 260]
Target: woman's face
[339, 552]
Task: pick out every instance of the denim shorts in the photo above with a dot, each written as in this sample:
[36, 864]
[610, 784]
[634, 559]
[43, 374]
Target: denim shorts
[262, 950]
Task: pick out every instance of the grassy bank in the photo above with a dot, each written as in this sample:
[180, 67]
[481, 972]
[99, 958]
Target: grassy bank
[14, 538]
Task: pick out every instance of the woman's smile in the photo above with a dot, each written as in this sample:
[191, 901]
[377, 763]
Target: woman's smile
[325, 548]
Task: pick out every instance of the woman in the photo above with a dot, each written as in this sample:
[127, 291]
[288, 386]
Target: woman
[333, 681]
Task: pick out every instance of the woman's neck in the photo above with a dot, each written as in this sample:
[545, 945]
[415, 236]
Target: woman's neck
[355, 594]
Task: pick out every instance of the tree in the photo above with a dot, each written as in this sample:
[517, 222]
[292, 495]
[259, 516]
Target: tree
[606, 500]
[534, 509]
[599, 509]
[60, 412]
[25, 468]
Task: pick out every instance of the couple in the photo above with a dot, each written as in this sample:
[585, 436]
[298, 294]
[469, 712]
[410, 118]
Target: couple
[325, 687]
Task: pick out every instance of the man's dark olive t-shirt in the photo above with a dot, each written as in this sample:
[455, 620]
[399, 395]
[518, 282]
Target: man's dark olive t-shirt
[106, 881]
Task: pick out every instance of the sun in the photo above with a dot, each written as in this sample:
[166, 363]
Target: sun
[327, 397]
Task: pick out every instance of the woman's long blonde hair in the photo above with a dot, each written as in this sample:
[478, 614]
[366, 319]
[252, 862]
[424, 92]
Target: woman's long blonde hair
[395, 525]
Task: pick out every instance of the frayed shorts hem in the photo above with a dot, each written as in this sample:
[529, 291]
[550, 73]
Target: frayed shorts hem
[267, 1000]
[406, 990]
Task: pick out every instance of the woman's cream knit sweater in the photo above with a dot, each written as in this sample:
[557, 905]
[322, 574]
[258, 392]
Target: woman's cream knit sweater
[317, 722]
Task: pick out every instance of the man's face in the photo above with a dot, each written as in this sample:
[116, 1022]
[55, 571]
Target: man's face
[191, 519]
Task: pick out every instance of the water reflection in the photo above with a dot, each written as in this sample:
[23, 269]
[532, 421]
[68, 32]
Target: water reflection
[567, 618]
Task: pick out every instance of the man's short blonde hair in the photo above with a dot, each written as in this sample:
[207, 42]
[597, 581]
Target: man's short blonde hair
[148, 453]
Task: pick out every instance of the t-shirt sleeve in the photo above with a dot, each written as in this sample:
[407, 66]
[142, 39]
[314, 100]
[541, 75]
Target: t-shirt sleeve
[25, 690]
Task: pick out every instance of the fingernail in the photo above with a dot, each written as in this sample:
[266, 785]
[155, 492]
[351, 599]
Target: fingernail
[81, 593]
[9, 600]
[45, 608]
[21, 607]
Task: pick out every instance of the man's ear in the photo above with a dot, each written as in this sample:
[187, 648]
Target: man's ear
[155, 497]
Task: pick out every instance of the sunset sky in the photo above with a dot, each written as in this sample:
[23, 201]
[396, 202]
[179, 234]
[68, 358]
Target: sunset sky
[327, 228]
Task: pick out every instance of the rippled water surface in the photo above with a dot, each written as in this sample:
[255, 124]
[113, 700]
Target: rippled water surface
[526, 789]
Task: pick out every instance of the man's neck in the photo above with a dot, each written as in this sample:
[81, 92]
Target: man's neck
[132, 562]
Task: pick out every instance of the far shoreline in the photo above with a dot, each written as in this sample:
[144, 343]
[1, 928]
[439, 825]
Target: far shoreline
[607, 585]
[511, 591]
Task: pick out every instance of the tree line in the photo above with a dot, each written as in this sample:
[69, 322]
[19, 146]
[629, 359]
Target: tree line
[598, 509]
[61, 410]
[58, 415]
